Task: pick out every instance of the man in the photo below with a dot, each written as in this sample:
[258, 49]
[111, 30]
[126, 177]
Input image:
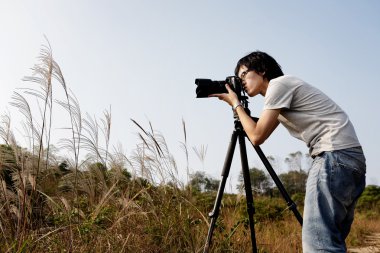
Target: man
[337, 175]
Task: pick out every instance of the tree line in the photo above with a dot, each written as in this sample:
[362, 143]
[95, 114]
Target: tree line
[294, 179]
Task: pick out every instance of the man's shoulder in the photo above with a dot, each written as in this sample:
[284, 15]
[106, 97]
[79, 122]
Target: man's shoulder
[287, 79]
[289, 82]
[285, 82]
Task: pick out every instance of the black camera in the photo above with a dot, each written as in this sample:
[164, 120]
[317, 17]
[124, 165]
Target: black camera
[206, 87]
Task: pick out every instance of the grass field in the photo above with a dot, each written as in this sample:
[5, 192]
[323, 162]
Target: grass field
[94, 200]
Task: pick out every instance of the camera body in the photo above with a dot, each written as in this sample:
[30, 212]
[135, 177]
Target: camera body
[206, 87]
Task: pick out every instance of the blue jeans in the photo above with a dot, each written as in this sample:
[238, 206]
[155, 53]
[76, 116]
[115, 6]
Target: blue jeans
[335, 182]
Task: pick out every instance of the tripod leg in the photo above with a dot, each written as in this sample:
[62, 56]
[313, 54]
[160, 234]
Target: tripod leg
[248, 190]
[226, 170]
[292, 206]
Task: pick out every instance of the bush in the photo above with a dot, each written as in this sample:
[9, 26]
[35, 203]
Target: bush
[370, 199]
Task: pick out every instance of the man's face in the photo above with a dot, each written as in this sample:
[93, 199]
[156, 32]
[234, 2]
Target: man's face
[253, 82]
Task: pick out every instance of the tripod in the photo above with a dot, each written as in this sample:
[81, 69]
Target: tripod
[239, 133]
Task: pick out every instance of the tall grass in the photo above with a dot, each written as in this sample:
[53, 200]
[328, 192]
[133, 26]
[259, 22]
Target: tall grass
[96, 198]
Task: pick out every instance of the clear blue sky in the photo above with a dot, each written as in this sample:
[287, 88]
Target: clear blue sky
[141, 57]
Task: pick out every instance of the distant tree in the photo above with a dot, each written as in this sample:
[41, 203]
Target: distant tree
[211, 184]
[274, 162]
[298, 161]
[294, 160]
[200, 182]
[260, 182]
[370, 198]
[294, 181]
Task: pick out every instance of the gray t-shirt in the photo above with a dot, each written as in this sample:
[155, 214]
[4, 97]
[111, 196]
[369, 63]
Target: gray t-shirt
[310, 115]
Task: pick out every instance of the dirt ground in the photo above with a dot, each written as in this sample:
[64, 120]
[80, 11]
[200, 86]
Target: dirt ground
[373, 245]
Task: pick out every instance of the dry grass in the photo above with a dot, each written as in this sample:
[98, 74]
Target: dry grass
[362, 227]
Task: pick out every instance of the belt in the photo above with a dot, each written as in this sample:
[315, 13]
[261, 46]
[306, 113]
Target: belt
[319, 154]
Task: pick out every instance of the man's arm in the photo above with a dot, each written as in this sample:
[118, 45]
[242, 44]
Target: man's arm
[259, 131]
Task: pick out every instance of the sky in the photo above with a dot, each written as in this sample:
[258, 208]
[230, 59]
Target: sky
[140, 58]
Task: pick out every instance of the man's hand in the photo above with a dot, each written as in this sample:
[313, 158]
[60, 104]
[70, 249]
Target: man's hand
[230, 97]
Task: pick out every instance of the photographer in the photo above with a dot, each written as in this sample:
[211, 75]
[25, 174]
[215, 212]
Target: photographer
[337, 175]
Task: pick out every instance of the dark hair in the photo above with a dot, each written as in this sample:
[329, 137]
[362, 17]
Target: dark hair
[262, 63]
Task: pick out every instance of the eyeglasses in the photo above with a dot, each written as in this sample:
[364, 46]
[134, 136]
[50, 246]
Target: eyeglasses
[244, 73]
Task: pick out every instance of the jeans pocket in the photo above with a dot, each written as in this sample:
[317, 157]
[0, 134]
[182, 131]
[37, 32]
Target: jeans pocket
[347, 183]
